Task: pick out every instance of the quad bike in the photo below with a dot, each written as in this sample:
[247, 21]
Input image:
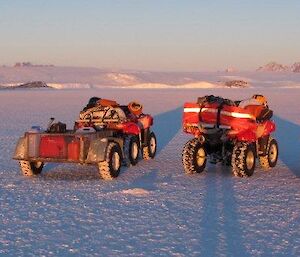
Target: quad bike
[106, 134]
[228, 132]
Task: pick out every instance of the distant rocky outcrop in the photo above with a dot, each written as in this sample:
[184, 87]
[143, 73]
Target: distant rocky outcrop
[34, 84]
[274, 66]
[29, 64]
[29, 85]
[277, 67]
[237, 83]
[295, 67]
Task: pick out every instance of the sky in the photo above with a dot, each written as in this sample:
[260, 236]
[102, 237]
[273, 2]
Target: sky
[162, 35]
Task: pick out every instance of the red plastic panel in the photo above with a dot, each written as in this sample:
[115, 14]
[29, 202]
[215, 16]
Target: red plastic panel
[146, 121]
[53, 147]
[73, 150]
[131, 128]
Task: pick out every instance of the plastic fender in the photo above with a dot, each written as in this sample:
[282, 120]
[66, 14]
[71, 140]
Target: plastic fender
[190, 113]
[246, 135]
[21, 151]
[97, 150]
[131, 128]
[270, 127]
[146, 121]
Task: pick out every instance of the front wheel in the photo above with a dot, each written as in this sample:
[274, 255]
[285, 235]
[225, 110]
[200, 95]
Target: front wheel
[111, 166]
[31, 168]
[149, 150]
[243, 159]
[270, 160]
[194, 157]
[131, 150]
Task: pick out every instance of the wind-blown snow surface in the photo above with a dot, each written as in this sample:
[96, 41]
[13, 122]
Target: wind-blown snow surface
[152, 209]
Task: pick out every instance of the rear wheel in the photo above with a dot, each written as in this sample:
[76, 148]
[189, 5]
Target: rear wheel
[31, 168]
[111, 166]
[270, 160]
[194, 157]
[243, 159]
[149, 150]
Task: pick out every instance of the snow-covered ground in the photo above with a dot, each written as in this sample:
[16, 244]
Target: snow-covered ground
[152, 209]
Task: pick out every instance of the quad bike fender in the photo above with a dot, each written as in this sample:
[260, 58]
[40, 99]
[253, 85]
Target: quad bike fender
[21, 149]
[98, 148]
[254, 132]
[269, 127]
[131, 128]
[190, 114]
[265, 129]
[145, 121]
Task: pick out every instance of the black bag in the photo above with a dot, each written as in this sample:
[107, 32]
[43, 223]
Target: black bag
[266, 114]
[92, 103]
[58, 127]
[214, 99]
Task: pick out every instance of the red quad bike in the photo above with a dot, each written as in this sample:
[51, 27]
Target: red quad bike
[107, 134]
[228, 133]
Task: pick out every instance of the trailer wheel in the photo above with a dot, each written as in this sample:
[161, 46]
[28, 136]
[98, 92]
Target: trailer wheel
[131, 150]
[243, 159]
[194, 157]
[149, 150]
[31, 168]
[110, 167]
[270, 160]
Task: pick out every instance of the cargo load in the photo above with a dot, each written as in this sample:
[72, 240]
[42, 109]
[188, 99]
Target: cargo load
[231, 132]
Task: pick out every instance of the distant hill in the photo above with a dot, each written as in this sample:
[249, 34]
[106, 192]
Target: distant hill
[296, 67]
[34, 84]
[29, 85]
[85, 77]
[273, 66]
[277, 67]
[41, 76]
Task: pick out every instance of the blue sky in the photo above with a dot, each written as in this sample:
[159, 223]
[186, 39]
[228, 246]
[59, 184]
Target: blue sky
[183, 35]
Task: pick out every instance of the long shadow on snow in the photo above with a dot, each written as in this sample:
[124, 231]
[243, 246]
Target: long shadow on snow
[288, 137]
[147, 181]
[220, 222]
[166, 126]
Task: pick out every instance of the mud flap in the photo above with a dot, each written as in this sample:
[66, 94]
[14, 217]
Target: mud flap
[263, 145]
[97, 151]
[21, 151]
